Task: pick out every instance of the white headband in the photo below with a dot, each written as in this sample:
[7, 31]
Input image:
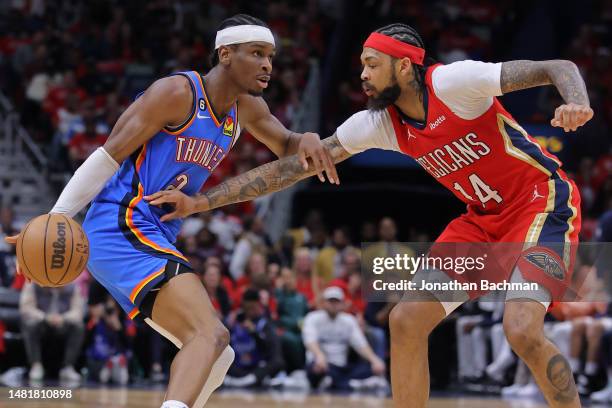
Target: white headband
[242, 34]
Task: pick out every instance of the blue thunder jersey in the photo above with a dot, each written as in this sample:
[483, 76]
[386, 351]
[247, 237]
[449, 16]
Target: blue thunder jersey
[182, 157]
[129, 245]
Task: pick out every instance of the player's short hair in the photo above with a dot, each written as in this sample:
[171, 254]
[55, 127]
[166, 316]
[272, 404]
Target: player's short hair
[407, 34]
[238, 19]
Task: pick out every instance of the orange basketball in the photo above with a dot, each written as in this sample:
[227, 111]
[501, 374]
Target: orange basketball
[52, 250]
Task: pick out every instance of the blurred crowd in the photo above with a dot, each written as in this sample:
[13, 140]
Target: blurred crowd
[71, 67]
[294, 307]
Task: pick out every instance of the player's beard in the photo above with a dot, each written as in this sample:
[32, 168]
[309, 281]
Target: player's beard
[386, 97]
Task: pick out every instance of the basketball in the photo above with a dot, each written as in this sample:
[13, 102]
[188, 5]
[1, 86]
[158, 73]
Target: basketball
[52, 250]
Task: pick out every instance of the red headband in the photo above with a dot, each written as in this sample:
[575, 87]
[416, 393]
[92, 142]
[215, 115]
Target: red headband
[395, 48]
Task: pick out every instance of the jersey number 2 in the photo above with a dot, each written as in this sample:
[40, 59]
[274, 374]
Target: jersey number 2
[179, 182]
[483, 191]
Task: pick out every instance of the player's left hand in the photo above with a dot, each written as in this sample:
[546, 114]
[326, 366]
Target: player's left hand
[312, 148]
[183, 204]
[571, 116]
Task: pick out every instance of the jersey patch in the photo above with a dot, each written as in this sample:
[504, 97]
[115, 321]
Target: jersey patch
[228, 126]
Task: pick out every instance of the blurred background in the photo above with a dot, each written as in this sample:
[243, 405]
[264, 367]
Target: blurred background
[68, 69]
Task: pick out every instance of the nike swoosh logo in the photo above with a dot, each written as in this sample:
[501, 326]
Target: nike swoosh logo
[202, 116]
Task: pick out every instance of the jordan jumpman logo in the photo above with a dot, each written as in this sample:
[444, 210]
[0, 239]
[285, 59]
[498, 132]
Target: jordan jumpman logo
[536, 195]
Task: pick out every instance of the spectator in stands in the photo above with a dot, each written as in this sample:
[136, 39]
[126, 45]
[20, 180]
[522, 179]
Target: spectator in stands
[367, 232]
[377, 312]
[253, 239]
[208, 244]
[216, 292]
[354, 302]
[329, 260]
[605, 394]
[256, 267]
[302, 267]
[7, 227]
[589, 331]
[303, 236]
[7, 252]
[106, 357]
[328, 335]
[85, 143]
[387, 246]
[258, 349]
[603, 265]
[56, 310]
[292, 307]
[350, 282]
[471, 359]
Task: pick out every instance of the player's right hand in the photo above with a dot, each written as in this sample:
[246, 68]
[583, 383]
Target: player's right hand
[183, 204]
[571, 116]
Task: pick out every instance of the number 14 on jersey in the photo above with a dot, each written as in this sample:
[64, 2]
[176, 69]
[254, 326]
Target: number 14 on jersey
[483, 191]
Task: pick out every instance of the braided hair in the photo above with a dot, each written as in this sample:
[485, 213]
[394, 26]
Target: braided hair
[238, 19]
[408, 35]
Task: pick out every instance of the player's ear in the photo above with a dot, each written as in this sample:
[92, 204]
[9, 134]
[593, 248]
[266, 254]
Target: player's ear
[224, 55]
[405, 67]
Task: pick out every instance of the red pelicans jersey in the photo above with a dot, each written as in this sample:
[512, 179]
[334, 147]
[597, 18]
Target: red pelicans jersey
[515, 190]
[488, 161]
[473, 146]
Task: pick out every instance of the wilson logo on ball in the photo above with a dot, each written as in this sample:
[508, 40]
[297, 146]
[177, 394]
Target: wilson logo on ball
[59, 247]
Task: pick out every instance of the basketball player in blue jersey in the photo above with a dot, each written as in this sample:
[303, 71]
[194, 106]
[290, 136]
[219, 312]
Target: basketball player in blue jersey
[173, 137]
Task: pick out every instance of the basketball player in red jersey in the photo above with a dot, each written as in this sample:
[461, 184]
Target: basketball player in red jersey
[132, 249]
[447, 117]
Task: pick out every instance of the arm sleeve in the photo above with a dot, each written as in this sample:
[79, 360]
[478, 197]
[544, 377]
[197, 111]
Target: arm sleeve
[86, 183]
[367, 130]
[357, 340]
[467, 87]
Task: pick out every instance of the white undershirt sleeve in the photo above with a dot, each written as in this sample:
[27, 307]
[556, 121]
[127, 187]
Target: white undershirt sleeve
[367, 130]
[89, 179]
[467, 87]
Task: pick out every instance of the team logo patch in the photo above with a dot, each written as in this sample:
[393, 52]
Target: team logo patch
[202, 104]
[228, 126]
[547, 262]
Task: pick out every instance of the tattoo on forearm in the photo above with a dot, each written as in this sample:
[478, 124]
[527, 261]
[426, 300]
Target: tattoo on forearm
[560, 376]
[268, 178]
[523, 74]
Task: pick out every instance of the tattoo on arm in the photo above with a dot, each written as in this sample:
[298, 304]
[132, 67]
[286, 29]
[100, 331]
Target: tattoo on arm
[268, 178]
[523, 74]
[560, 376]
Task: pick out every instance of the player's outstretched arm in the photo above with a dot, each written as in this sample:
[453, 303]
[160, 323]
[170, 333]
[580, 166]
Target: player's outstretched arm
[564, 75]
[265, 179]
[259, 121]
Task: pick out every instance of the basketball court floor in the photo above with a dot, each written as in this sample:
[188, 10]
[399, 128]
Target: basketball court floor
[138, 398]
